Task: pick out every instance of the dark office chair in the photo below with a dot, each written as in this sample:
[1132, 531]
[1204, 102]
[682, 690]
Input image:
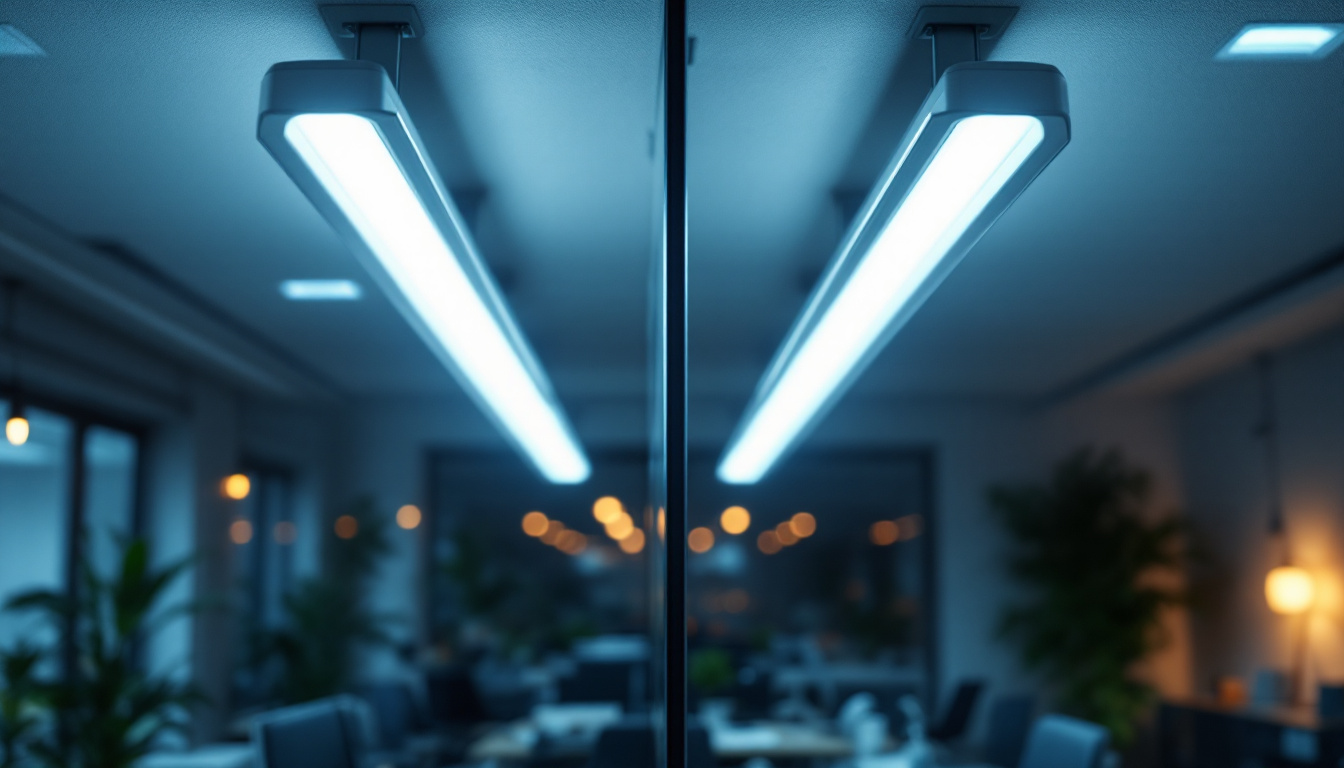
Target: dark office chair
[617, 681]
[1064, 742]
[315, 735]
[453, 698]
[957, 718]
[753, 694]
[1009, 722]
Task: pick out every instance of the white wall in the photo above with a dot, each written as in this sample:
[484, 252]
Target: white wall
[1227, 492]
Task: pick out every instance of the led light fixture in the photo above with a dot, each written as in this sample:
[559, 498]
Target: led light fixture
[340, 131]
[321, 290]
[1284, 41]
[985, 131]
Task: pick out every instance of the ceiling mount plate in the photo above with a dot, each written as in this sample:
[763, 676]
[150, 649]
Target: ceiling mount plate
[345, 20]
[991, 20]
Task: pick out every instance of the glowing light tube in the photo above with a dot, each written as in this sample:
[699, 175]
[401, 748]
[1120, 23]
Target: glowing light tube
[361, 163]
[955, 173]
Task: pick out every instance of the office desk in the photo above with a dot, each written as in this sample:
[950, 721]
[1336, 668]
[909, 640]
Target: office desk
[1201, 733]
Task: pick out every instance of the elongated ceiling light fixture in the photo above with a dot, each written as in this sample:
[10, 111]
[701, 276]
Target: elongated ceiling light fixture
[984, 132]
[341, 132]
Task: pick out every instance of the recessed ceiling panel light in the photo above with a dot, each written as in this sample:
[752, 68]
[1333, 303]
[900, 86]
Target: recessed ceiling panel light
[1284, 41]
[982, 135]
[14, 43]
[321, 290]
[341, 132]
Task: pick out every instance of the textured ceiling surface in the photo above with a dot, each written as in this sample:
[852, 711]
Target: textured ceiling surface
[1187, 180]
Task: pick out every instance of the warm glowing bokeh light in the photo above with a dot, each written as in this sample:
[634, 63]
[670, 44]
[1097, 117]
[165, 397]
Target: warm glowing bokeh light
[700, 540]
[236, 487]
[1289, 590]
[735, 520]
[784, 532]
[571, 542]
[347, 526]
[632, 544]
[607, 509]
[17, 430]
[803, 525]
[768, 543]
[662, 524]
[621, 527]
[736, 600]
[884, 533]
[909, 527]
[535, 524]
[409, 517]
[552, 533]
[285, 533]
[240, 531]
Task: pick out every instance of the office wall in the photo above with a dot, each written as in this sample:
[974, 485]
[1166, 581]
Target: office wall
[1227, 495]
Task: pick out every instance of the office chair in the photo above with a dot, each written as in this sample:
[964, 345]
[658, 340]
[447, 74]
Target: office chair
[1009, 722]
[631, 744]
[957, 718]
[314, 735]
[1064, 742]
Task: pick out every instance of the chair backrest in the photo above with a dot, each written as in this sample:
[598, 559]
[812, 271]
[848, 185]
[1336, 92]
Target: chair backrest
[631, 744]
[958, 714]
[594, 681]
[393, 705]
[453, 697]
[314, 735]
[1064, 742]
[1009, 722]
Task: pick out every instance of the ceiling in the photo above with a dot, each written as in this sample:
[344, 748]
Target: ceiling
[1187, 181]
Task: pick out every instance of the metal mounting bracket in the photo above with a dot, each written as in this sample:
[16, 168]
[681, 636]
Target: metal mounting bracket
[956, 31]
[378, 31]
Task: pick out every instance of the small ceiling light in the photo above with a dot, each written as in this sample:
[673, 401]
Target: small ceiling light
[236, 486]
[409, 517]
[621, 527]
[909, 527]
[13, 42]
[1284, 41]
[735, 520]
[784, 532]
[768, 543]
[1289, 590]
[884, 533]
[803, 525]
[535, 524]
[632, 544]
[552, 533]
[341, 132]
[700, 540]
[607, 509]
[17, 428]
[240, 531]
[321, 290]
[982, 135]
[347, 527]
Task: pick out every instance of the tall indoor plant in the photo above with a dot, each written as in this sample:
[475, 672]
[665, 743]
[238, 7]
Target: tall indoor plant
[1089, 553]
[106, 710]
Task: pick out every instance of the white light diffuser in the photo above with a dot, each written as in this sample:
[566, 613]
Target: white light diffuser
[983, 134]
[321, 290]
[339, 129]
[1284, 41]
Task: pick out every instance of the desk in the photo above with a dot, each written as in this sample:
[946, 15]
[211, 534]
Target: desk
[1201, 733]
[519, 742]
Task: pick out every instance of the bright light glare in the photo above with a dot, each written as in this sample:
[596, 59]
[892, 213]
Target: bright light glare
[348, 156]
[321, 290]
[1283, 40]
[978, 157]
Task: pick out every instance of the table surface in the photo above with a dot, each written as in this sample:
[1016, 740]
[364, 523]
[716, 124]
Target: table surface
[518, 742]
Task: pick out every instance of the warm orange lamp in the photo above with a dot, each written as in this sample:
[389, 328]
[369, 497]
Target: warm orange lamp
[1289, 590]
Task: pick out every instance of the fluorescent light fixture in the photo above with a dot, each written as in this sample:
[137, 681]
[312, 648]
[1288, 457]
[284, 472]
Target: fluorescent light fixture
[1284, 41]
[340, 131]
[982, 135]
[321, 290]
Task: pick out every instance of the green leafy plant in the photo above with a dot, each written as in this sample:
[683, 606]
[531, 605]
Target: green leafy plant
[328, 618]
[20, 702]
[1088, 552]
[109, 712]
[711, 671]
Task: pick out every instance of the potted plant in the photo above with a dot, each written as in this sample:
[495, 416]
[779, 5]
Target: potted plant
[105, 711]
[1087, 550]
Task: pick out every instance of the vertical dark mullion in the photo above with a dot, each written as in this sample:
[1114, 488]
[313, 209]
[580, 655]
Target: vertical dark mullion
[74, 555]
[674, 282]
